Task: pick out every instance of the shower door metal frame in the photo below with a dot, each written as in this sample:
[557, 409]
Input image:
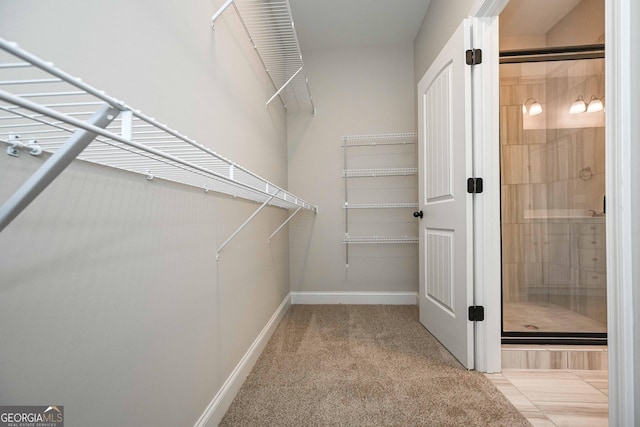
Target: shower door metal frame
[549, 54]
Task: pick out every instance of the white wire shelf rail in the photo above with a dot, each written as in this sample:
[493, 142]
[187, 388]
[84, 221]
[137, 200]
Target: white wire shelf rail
[269, 25]
[42, 108]
[380, 240]
[373, 173]
[383, 139]
[379, 205]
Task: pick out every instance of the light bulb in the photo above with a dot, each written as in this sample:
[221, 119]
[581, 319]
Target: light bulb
[535, 109]
[578, 106]
[595, 105]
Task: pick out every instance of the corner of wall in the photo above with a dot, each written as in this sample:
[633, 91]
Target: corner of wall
[223, 399]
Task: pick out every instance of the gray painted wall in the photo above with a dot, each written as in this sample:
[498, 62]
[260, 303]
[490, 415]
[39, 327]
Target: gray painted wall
[357, 91]
[441, 20]
[111, 300]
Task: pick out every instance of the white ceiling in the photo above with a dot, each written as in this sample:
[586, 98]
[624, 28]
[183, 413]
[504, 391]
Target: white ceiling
[533, 17]
[323, 24]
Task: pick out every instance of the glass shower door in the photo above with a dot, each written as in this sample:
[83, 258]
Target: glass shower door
[553, 191]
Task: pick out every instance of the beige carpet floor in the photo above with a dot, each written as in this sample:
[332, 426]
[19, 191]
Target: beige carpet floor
[348, 365]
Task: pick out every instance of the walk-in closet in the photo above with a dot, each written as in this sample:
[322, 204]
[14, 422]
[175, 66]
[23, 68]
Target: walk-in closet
[288, 212]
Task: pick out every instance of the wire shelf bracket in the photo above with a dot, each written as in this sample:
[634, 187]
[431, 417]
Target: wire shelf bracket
[283, 224]
[244, 224]
[61, 115]
[270, 28]
[33, 186]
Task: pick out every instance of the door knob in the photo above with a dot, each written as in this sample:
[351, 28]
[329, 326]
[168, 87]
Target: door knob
[418, 214]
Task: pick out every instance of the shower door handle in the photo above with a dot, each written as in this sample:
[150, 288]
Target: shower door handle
[418, 214]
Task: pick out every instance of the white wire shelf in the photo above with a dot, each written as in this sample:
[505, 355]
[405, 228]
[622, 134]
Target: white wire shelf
[41, 107]
[375, 140]
[380, 240]
[270, 27]
[380, 205]
[379, 139]
[364, 173]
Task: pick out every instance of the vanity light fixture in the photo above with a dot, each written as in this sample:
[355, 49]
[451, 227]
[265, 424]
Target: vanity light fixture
[578, 106]
[534, 109]
[595, 104]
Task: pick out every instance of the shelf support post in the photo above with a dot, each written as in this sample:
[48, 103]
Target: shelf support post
[244, 224]
[283, 224]
[50, 169]
[220, 12]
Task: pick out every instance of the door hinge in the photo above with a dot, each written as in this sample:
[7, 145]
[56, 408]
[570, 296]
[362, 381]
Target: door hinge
[476, 313]
[474, 56]
[474, 185]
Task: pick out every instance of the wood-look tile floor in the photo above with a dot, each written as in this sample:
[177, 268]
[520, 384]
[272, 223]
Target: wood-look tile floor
[557, 398]
[546, 317]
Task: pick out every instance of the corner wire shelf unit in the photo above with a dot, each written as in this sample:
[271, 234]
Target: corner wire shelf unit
[269, 25]
[374, 141]
[42, 108]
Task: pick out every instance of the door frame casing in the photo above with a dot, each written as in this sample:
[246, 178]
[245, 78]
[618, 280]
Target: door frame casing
[622, 244]
[485, 85]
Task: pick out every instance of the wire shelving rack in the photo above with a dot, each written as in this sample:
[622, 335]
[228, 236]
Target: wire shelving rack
[374, 141]
[270, 28]
[44, 109]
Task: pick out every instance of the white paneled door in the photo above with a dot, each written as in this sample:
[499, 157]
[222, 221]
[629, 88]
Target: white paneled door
[445, 163]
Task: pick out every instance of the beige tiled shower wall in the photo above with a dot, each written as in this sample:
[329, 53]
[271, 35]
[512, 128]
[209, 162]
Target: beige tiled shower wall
[552, 169]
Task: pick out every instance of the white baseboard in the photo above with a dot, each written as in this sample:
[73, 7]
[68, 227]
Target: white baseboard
[222, 400]
[385, 298]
